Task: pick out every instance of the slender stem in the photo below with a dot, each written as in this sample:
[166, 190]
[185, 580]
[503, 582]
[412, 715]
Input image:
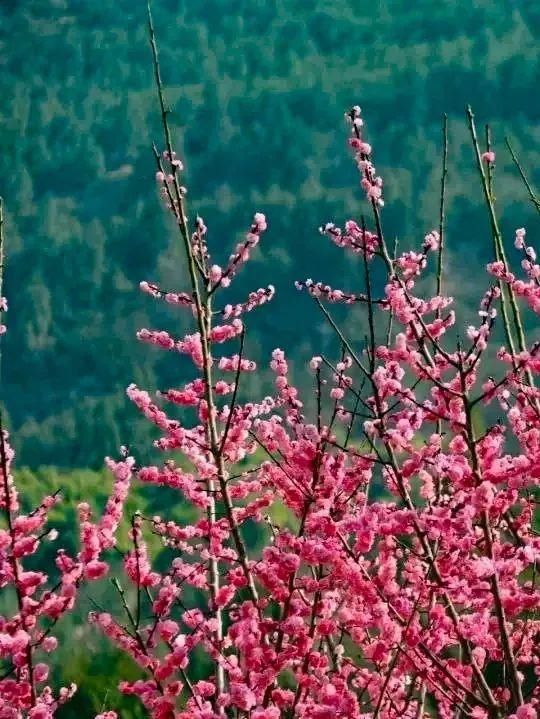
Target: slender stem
[497, 239]
[343, 339]
[439, 286]
[532, 194]
[235, 391]
[159, 84]
[500, 253]
[391, 314]
[203, 313]
[442, 211]
[371, 319]
[134, 529]
[489, 167]
[180, 213]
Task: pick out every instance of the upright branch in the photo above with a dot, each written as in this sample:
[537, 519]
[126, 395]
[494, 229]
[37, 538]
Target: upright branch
[442, 211]
[532, 194]
[488, 157]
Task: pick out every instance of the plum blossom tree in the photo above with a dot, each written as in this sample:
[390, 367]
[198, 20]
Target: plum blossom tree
[403, 582]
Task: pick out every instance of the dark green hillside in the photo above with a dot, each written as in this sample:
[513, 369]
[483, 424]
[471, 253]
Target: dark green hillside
[259, 90]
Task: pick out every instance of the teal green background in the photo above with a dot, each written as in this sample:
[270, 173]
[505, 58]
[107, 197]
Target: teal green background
[258, 91]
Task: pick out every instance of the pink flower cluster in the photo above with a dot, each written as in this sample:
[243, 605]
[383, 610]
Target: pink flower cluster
[397, 577]
[399, 566]
[222, 277]
[355, 238]
[371, 182]
[319, 289]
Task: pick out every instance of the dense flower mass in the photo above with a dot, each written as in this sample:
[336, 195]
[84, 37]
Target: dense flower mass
[397, 577]
[400, 578]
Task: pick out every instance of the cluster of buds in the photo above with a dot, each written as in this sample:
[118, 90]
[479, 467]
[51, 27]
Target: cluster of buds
[369, 180]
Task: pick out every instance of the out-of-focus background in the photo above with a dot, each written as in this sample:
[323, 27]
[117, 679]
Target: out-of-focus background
[258, 90]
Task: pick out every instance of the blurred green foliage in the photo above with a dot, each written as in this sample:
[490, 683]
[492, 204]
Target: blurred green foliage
[258, 90]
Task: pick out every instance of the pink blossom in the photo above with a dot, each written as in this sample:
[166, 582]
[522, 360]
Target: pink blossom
[96, 569]
[394, 522]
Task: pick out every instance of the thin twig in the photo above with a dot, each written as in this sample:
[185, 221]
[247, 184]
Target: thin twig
[500, 254]
[532, 194]
[442, 212]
